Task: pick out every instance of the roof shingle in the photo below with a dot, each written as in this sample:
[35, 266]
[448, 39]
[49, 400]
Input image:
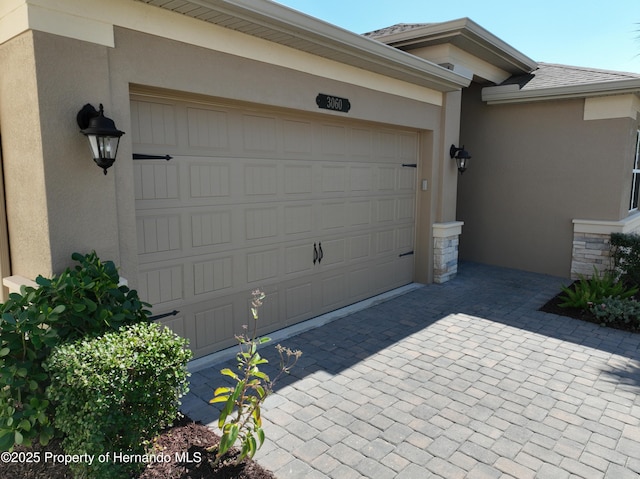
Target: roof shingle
[552, 75]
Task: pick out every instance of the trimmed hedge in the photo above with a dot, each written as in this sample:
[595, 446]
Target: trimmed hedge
[84, 301]
[114, 394]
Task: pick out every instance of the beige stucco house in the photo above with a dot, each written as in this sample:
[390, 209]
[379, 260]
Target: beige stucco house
[555, 152]
[306, 160]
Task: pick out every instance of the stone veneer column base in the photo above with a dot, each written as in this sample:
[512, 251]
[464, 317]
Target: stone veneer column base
[592, 243]
[445, 250]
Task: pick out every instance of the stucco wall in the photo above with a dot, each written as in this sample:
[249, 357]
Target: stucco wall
[69, 204]
[535, 168]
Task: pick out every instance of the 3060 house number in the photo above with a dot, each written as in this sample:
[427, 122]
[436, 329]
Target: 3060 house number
[329, 102]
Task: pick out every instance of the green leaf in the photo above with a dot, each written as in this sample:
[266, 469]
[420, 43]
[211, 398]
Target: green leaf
[250, 446]
[6, 440]
[4, 352]
[256, 417]
[25, 425]
[19, 438]
[222, 390]
[228, 438]
[46, 434]
[230, 373]
[9, 318]
[78, 307]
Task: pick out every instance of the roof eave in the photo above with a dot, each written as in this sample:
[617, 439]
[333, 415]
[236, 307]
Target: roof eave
[287, 26]
[512, 94]
[466, 34]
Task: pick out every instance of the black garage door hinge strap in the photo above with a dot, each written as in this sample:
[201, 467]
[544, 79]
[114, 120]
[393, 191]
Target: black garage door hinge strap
[141, 156]
[409, 253]
[160, 316]
[410, 165]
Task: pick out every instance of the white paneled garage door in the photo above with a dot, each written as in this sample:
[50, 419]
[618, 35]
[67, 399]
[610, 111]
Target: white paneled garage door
[316, 211]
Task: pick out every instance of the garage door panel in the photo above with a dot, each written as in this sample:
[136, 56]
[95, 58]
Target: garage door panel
[297, 138]
[158, 234]
[387, 145]
[359, 247]
[259, 134]
[156, 181]
[261, 223]
[387, 178]
[333, 215]
[359, 213]
[298, 301]
[361, 178]
[298, 258]
[162, 285]
[405, 209]
[405, 238]
[213, 324]
[298, 179]
[385, 210]
[209, 180]
[208, 128]
[211, 228]
[245, 199]
[333, 252]
[359, 282]
[361, 144]
[333, 292]
[298, 218]
[213, 275]
[334, 179]
[333, 140]
[406, 179]
[261, 180]
[154, 123]
[263, 266]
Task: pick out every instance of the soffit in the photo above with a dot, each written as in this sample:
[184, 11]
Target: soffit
[464, 34]
[276, 23]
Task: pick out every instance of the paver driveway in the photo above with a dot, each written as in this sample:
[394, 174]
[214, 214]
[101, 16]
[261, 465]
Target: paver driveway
[461, 380]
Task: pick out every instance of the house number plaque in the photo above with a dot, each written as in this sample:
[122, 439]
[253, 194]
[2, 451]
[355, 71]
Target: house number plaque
[328, 102]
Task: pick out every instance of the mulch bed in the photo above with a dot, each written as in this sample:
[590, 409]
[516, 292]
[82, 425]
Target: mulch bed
[553, 306]
[184, 439]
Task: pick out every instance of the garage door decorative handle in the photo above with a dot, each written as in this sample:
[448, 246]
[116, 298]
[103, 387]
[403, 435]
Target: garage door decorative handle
[321, 253]
[315, 254]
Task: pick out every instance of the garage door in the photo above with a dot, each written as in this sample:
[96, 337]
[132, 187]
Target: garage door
[316, 211]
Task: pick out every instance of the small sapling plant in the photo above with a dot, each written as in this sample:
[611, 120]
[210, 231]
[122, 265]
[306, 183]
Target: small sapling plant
[240, 418]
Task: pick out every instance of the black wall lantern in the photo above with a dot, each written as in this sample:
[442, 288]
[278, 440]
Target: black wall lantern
[102, 134]
[461, 156]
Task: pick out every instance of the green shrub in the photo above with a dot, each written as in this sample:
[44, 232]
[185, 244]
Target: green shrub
[625, 252]
[611, 310]
[588, 291]
[85, 300]
[94, 300]
[114, 393]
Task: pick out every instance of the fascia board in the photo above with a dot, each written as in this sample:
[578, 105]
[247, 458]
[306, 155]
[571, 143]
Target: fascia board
[512, 93]
[378, 57]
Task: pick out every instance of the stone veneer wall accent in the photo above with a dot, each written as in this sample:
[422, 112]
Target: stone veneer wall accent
[592, 243]
[445, 250]
[589, 250]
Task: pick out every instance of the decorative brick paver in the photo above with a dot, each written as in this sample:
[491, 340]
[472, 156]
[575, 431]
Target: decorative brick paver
[463, 379]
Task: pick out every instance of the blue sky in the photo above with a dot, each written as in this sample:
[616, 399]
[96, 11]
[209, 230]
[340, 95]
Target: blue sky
[590, 33]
